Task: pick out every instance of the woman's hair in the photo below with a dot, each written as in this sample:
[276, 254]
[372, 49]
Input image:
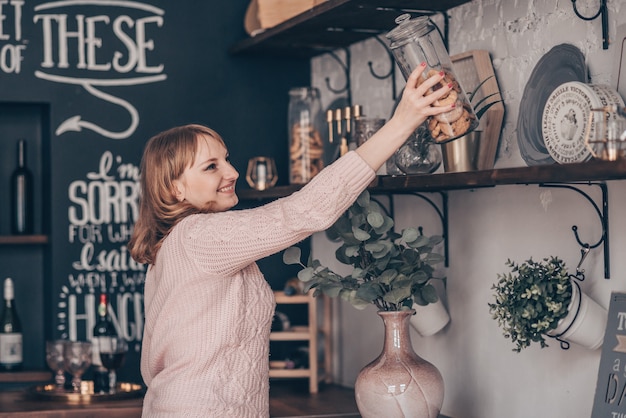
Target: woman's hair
[164, 160]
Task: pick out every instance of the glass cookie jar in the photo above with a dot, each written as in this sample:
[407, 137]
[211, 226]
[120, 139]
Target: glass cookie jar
[306, 130]
[415, 41]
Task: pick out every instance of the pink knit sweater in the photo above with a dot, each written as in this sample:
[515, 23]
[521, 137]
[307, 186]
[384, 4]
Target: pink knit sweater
[208, 308]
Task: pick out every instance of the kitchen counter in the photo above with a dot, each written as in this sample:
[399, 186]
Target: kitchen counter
[20, 404]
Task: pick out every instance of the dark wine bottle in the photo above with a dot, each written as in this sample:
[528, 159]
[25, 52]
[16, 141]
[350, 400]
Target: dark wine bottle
[104, 328]
[11, 355]
[21, 194]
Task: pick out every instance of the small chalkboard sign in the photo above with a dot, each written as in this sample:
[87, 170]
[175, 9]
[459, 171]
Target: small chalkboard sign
[610, 399]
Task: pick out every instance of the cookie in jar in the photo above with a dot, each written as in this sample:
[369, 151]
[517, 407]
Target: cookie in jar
[306, 128]
[457, 122]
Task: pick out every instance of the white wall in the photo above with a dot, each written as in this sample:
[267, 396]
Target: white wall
[484, 378]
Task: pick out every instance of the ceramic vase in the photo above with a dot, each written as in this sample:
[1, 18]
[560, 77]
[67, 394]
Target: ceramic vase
[399, 383]
[584, 323]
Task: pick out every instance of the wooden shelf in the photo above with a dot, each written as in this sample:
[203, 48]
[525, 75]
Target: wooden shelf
[555, 173]
[23, 239]
[310, 333]
[336, 24]
[27, 376]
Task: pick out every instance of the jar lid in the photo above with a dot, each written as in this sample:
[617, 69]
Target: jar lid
[408, 29]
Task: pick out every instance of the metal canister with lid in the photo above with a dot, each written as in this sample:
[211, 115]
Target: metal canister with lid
[306, 130]
[415, 41]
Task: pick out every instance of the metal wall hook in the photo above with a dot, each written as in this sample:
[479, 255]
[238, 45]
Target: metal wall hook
[392, 70]
[603, 214]
[346, 69]
[604, 11]
[580, 273]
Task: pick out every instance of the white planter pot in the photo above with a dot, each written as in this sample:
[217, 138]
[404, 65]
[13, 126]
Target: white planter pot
[585, 322]
[430, 319]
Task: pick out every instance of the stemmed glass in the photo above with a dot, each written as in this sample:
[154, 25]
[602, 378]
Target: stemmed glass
[55, 360]
[112, 352]
[77, 359]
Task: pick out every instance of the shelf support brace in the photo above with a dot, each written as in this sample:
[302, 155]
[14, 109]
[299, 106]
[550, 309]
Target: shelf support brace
[346, 69]
[603, 214]
[603, 11]
[391, 73]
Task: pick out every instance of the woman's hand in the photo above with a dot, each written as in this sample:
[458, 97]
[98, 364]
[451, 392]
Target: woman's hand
[414, 108]
[417, 99]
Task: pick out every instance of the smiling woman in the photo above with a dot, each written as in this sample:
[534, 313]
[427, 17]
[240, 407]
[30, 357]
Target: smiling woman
[208, 308]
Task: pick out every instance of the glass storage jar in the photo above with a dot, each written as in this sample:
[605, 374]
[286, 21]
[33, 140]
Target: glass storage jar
[306, 130]
[415, 41]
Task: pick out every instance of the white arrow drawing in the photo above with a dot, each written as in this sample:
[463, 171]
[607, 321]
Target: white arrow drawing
[76, 124]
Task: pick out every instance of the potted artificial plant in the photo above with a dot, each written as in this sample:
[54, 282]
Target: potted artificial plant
[392, 271]
[539, 299]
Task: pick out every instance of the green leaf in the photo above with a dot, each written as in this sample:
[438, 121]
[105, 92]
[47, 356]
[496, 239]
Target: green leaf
[360, 234]
[419, 242]
[385, 227]
[351, 250]
[376, 220]
[419, 277]
[433, 258]
[369, 291]
[331, 289]
[387, 276]
[473, 93]
[364, 199]
[429, 294]
[292, 255]
[306, 274]
[396, 296]
[410, 235]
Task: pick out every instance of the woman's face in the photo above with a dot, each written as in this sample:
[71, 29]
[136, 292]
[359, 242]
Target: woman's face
[210, 180]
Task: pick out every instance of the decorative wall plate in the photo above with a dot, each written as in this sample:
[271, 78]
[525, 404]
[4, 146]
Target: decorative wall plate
[562, 64]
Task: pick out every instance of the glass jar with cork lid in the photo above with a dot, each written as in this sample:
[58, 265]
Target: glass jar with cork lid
[415, 41]
[306, 134]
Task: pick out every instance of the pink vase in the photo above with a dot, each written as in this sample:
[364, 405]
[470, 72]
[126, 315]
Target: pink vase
[399, 383]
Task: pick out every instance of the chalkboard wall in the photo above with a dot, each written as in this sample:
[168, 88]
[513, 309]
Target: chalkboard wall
[87, 83]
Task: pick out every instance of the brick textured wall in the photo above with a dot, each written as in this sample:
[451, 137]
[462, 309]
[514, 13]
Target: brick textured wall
[483, 377]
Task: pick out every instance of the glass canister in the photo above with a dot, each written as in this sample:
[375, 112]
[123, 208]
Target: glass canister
[415, 41]
[306, 128]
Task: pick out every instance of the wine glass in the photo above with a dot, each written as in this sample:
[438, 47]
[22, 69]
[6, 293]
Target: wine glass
[77, 359]
[112, 352]
[55, 360]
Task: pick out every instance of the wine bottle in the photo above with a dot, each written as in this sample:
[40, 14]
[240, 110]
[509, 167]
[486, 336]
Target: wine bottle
[104, 328]
[21, 194]
[11, 355]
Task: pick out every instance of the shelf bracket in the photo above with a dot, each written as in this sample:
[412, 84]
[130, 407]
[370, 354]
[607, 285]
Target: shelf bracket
[392, 69]
[346, 69]
[603, 11]
[603, 214]
[442, 212]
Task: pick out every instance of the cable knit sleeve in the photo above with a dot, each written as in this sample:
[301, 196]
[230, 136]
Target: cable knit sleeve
[225, 242]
